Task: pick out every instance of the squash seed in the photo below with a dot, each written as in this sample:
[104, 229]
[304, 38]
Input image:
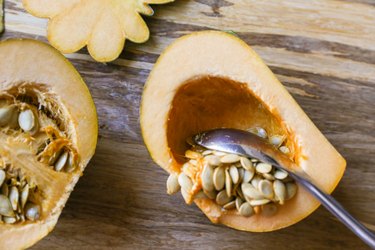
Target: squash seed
[32, 211]
[228, 182]
[284, 149]
[207, 178]
[241, 173]
[213, 160]
[5, 206]
[185, 182]
[269, 177]
[172, 184]
[230, 205]
[280, 174]
[238, 203]
[248, 175]
[250, 192]
[61, 161]
[259, 202]
[230, 158]
[261, 132]
[280, 191]
[277, 140]
[26, 120]
[219, 178]
[234, 175]
[256, 179]
[24, 195]
[291, 190]
[2, 176]
[9, 220]
[192, 154]
[219, 153]
[246, 163]
[13, 197]
[269, 209]
[263, 168]
[207, 152]
[210, 194]
[265, 187]
[222, 198]
[246, 210]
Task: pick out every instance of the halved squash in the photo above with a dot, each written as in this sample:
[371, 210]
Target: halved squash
[48, 133]
[212, 79]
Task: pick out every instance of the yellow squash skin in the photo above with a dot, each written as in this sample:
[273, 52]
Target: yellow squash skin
[30, 61]
[221, 55]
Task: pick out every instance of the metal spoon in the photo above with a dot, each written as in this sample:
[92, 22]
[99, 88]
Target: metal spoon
[248, 144]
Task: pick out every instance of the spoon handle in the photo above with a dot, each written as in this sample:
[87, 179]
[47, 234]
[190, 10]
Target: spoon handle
[332, 205]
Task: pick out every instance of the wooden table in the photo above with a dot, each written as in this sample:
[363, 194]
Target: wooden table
[322, 51]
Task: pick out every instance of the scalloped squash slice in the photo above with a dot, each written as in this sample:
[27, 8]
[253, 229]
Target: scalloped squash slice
[212, 79]
[48, 134]
[102, 25]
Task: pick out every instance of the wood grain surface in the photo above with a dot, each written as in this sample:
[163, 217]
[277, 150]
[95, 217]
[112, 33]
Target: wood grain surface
[323, 51]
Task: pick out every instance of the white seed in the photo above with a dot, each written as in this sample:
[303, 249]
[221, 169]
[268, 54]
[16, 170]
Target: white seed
[265, 187]
[246, 210]
[5, 206]
[269, 177]
[2, 176]
[280, 174]
[238, 203]
[280, 191]
[228, 183]
[291, 190]
[207, 152]
[230, 205]
[192, 154]
[230, 158]
[241, 173]
[172, 184]
[250, 192]
[185, 182]
[70, 165]
[32, 211]
[219, 178]
[26, 120]
[259, 202]
[13, 197]
[210, 194]
[61, 161]
[277, 140]
[263, 168]
[246, 163]
[255, 181]
[269, 209]
[213, 160]
[261, 132]
[207, 178]
[253, 160]
[219, 153]
[248, 175]
[193, 162]
[284, 149]
[9, 220]
[222, 198]
[24, 195]
[233, 172]
[186, 195]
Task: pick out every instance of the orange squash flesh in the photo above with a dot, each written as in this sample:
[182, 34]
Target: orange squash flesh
[212, 79]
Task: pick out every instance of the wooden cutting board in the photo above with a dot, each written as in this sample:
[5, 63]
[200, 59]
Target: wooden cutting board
[322, 51]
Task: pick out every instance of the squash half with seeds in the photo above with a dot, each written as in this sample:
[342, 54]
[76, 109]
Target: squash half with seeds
[212, 79]
[48, 134]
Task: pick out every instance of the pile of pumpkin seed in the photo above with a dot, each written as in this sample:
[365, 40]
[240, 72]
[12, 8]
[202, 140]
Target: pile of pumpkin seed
[234, 182]
[17, 198]
[25, 117]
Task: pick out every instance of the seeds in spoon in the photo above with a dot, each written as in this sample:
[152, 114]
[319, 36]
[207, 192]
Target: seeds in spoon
[246, 210]
[219, 178]
[277, 140]
[26, 120]
[172, 184]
